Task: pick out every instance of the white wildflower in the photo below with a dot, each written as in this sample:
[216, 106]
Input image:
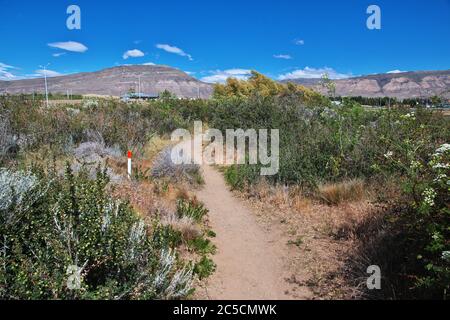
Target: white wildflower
[429, 195]
[415, 165]
[446, 255]
[90, 104]
[408, 116]
[441, 166]
[440, 177]
[443, 149]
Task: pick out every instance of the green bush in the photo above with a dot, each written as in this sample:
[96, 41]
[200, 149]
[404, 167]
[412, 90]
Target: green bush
[204, 268]
[202, 245]
[194, 210]
[239, 176]
[427, 194]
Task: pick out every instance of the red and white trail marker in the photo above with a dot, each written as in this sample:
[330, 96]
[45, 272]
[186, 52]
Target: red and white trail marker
[130, 156]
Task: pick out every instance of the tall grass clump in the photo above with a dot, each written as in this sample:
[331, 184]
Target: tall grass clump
[336, 193]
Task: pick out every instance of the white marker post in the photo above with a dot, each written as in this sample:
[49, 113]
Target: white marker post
[130, 155]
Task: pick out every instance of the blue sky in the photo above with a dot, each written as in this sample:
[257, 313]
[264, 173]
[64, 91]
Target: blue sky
[215, 39]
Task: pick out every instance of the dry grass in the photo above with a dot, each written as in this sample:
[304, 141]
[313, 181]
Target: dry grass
[155, 146]
[328, 259]
[141, 196]
[343, 221]
[280, 195]
[337, 193]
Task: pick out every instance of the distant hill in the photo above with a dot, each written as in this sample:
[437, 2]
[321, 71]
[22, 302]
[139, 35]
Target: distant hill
[116, 82]
[400, 85]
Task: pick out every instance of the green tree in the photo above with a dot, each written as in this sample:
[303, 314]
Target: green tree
[329, 85]
[167, 95]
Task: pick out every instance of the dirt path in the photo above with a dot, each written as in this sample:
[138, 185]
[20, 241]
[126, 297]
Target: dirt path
[249, 259]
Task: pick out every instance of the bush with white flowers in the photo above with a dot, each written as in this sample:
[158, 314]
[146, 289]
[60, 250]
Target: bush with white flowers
[434, 216]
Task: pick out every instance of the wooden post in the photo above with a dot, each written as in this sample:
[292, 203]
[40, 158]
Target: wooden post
[130, 155]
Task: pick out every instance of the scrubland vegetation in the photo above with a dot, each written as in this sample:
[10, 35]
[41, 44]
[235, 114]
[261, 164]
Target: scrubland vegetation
[64, 200]
[66, 206]
[398, 159]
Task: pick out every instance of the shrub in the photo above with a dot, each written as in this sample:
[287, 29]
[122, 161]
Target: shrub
[202, 245]
[60, 225]
[8, 142]
[204, 268]
[191, 209]
[163, 167]
[185, 225]
[409, 240]
[240, 176]
[429, 186]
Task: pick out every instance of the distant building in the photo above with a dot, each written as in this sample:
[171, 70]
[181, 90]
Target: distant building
[139, 96]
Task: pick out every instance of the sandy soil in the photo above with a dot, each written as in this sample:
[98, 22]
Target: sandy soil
[250, 257]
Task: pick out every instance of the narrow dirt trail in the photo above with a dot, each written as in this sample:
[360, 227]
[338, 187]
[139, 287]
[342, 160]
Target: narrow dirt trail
[249, 264]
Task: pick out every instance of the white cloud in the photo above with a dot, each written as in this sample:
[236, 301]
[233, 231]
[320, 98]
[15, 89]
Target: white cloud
[71, 46]
[135, 53]
[221, 76]
[312, 73]
[148, 64]
[175, 50]
[396, 71]
[5, 72]
[49, 73]
[5, 66]
[59, 54]
[299, 42]
[282, 56]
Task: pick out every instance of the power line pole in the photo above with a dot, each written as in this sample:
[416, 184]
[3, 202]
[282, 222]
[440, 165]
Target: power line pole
[140, 87]
[45, 77]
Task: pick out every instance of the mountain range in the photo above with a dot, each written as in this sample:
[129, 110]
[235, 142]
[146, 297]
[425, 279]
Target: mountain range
[116, 81]
[154, 79]
[417, 84]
